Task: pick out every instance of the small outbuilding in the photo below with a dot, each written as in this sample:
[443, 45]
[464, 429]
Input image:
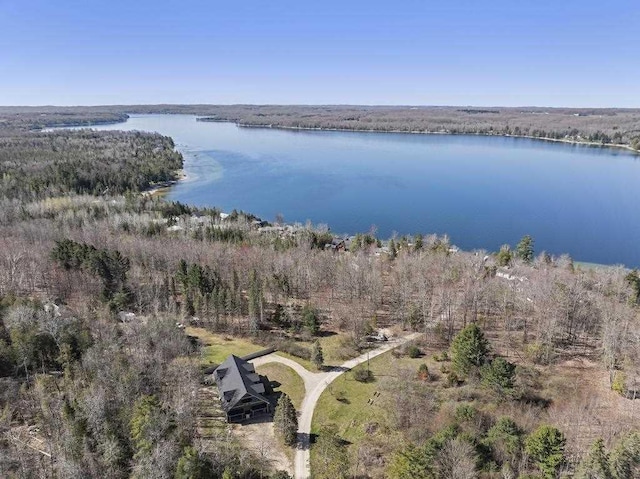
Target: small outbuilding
[241, 390]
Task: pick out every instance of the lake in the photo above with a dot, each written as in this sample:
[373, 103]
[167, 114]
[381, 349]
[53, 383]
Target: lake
[481, 191]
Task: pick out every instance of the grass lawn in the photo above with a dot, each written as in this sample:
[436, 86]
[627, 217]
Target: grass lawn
[351, 415]
[218, 346]
[290, 383]
[332, 348]
[354, 415]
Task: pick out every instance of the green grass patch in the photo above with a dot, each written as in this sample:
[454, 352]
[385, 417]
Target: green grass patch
[345, 401]
[354, 408]
[290, 383]
[334, 350]
[217, 347]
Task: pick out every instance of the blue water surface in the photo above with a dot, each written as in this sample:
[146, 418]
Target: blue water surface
[481, 191]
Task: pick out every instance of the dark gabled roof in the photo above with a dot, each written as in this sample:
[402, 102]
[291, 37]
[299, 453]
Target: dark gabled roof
[237, 378]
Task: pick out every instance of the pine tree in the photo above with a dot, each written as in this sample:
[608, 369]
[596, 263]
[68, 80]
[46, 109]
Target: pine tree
[546, 447]
[317, 357]
[418, 242]
[192, 465]
[524, 250]
[499, 375]
[468, 350]
[504, 255]
[285, 420]
[595, 464]
[310, 320]
[393, 252]
[625, 458]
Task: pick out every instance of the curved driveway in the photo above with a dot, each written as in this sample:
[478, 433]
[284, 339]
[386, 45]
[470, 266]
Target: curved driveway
[315, 384]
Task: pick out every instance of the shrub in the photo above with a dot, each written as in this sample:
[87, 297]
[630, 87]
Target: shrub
[465, 412]
[423, 372]
[619, 383]
[539, 353]
[340, 396]
[413, 351]
[452, 379]
[280, 475]
[363, 375]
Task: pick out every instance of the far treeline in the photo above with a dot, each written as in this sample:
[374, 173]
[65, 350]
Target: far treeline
[600, 126]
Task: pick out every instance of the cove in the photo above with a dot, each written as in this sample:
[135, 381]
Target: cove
[481, 191]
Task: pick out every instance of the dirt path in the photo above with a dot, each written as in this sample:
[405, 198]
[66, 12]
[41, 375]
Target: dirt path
[315, 384]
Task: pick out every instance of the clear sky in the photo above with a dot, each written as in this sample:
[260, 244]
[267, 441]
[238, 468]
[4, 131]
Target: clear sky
[422, 52]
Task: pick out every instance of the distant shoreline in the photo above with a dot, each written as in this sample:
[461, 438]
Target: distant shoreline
[206, 119]
[421, 132]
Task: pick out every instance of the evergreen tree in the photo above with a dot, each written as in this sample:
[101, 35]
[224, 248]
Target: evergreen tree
[468, 350]
[192, 465]
[418, 242]
[524, 250]
[310, 320]
[504, 255]
[285, 420]
[633, 280]
[546, 447]
[317, 358]
[505, 440]
[625, 458]
[147, 425]
[409, 463]
[255, 299]
[595, 465]
[182, 275]
[499, 375]
[393, 252]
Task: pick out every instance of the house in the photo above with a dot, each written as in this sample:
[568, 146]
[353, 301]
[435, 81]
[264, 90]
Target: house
[241, 390]
[339, 244]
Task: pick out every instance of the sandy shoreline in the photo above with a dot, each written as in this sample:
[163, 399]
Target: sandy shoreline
[163, 188]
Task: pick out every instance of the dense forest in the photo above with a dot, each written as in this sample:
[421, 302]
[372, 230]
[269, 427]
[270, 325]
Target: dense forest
[529, 364]
[41, 165]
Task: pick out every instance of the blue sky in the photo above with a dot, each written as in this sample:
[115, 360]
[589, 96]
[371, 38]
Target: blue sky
[517, 52]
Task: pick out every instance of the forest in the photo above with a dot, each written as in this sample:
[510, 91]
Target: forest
[526, 366]
[597, 126]
[41, 165]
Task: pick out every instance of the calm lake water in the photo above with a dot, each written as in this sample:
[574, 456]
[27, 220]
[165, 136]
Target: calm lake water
[481, 191]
